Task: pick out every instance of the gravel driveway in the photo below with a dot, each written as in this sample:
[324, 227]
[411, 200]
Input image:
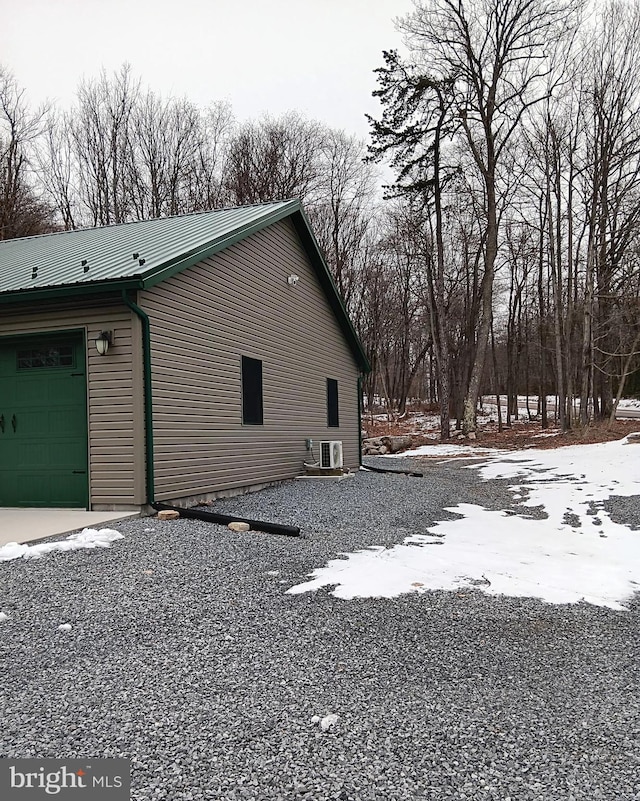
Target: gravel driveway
[187, 656]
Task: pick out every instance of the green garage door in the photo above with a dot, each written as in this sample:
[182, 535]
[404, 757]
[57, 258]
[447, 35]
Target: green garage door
[43, 422]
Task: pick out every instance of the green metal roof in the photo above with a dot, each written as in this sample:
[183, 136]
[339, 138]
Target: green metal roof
[55, 260]
[141, 254]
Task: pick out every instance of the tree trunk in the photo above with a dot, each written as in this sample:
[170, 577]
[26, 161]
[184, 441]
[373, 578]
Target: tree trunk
[471, 399]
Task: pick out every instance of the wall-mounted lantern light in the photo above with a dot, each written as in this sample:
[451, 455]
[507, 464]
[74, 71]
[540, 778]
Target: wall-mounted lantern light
[103, 341]
[293, 279]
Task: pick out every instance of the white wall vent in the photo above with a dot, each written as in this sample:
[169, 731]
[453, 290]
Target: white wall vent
[331, 453]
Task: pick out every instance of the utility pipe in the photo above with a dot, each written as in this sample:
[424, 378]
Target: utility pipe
[214, 517]
[148, 402]
[398, 472]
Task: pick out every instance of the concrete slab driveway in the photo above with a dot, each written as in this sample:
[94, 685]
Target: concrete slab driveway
[24, 525]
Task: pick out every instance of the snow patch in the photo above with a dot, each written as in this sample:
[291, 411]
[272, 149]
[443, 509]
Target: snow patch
[629, 403]
[87, 538]
[445, 450]
[576, 553]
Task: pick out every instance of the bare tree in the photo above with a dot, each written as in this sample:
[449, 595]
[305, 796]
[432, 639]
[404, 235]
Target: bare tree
[22, 212]
[274, 159]
[166, 139]
[612, 191]
[206, 188]
[496, 54]
[344, 208]
[101, 130]
[59, 170]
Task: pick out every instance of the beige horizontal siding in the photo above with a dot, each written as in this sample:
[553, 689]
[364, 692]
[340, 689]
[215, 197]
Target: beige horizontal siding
[116, 443]
[203, 321]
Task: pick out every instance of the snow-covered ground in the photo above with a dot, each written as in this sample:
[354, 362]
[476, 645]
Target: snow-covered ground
[576, 552]
[429, 424]
[447, 449]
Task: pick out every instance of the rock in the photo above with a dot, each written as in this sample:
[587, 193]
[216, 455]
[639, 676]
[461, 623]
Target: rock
[395, 444]
[237, 525]
[328, 722]
[168, 514]
[373, 446]
[378, 446]
[471, 435]
[379, 451]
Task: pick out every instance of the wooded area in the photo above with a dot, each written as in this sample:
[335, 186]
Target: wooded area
[504, 256]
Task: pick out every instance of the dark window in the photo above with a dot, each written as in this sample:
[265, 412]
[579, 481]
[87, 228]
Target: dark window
[55, 356]
[251, 391]
[332, 403]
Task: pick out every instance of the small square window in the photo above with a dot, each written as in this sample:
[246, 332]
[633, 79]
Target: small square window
[252, 410]
[332, 403]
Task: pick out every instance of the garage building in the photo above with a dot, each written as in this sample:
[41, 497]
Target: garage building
[173, 360]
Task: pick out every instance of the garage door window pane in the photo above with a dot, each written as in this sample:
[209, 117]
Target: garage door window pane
[54, 356]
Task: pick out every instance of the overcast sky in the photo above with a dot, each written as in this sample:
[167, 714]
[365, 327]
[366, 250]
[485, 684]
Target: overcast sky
[316, 56]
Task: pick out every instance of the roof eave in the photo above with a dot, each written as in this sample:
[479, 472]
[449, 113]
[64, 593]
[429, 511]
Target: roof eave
[70, 290]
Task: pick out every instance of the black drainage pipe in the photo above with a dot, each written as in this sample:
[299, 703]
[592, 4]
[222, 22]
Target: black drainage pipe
[398, 472]
[214, 517]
